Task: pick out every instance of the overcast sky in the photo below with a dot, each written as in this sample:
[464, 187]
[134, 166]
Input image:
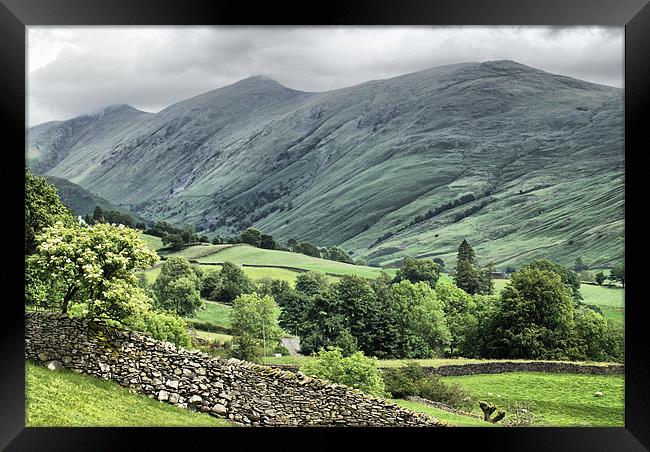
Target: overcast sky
[75, 70]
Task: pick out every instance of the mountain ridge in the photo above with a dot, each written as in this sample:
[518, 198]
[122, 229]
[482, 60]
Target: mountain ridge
[348, 166]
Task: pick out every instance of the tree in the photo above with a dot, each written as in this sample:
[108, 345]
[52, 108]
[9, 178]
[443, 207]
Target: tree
[334, 253]
[307, 248]
[252, 237]
[468, 276]
[177, 287]
[94, 266]
[570, 278]
[311, 283]
[418, 270]
[356, 371]
[596, 339]
[419, 318]
[267, 242]
[211, 281]
[294, 306]
[535, 318]
[600, 278]
[459, 309]
[618, 274]
[254, 321]
[43, 208]
[173, 241]
[234, 283]
[579, 265]
[98, 215]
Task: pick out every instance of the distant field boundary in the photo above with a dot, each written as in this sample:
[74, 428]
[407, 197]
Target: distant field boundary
[495, 367]
[455, 370]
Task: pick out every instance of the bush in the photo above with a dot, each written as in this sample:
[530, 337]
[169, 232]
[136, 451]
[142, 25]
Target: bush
[357, 370]
[161, 325]
[412, 380]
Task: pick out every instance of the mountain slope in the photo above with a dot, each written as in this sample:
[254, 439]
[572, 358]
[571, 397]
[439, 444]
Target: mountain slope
[81, 201]
[520, 162]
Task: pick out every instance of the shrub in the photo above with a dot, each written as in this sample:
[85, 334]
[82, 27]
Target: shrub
[357, 370]
[412, 380]
[161, 325]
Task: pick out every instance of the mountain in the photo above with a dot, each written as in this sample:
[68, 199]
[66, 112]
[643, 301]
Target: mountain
[82, 202]
[520, 162]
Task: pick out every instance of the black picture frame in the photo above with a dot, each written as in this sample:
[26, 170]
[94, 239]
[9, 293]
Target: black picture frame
[15, 15]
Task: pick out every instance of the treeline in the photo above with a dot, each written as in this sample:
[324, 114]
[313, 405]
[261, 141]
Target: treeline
[112, 217]
[255, 238]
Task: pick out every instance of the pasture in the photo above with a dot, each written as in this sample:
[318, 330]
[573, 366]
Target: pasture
[68, 399]
[561, 400]
[215, 313]
[244, 254]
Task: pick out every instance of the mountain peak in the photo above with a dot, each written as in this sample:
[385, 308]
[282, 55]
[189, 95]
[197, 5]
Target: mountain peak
[258, 80]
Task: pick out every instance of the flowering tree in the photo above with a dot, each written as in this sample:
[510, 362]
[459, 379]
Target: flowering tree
[94, 266]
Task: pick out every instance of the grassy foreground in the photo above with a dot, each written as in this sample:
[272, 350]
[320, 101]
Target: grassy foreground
[68, 399]
[561, 400]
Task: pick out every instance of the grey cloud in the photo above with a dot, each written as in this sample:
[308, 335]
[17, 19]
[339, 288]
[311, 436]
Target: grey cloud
[152, 67]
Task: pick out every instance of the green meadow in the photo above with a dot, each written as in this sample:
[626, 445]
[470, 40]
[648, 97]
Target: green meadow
[68, 399]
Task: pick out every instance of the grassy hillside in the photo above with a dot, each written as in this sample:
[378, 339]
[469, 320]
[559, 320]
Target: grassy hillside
[81, 201]
[254, 273]
[520, 162]
[554, 399]
[67, 399]
[154, 243]
[245, 254]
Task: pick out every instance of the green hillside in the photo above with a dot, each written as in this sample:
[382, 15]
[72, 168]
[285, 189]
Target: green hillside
[522, 163]
[67, 399]
[81, 201]
[245, 254]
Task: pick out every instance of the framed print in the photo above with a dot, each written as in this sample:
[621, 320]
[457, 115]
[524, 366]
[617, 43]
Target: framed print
[400, 219]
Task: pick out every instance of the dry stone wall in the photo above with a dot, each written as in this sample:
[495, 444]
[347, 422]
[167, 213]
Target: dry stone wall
[495, 367]
[244, 392]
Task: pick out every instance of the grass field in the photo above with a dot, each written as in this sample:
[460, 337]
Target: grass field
[209, 336]
[554, 399]
[254, 273]
[455, 420]
[215, 313]
[196, 251]
[67, 399]
[244, 254]
[154, 243]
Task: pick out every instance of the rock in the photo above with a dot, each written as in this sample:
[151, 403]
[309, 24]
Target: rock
[172, 384]
[54, 365]
[195, 400]
[174, 397]
[163, 396]
[43, 356]
[219, 409]
[598, 394]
